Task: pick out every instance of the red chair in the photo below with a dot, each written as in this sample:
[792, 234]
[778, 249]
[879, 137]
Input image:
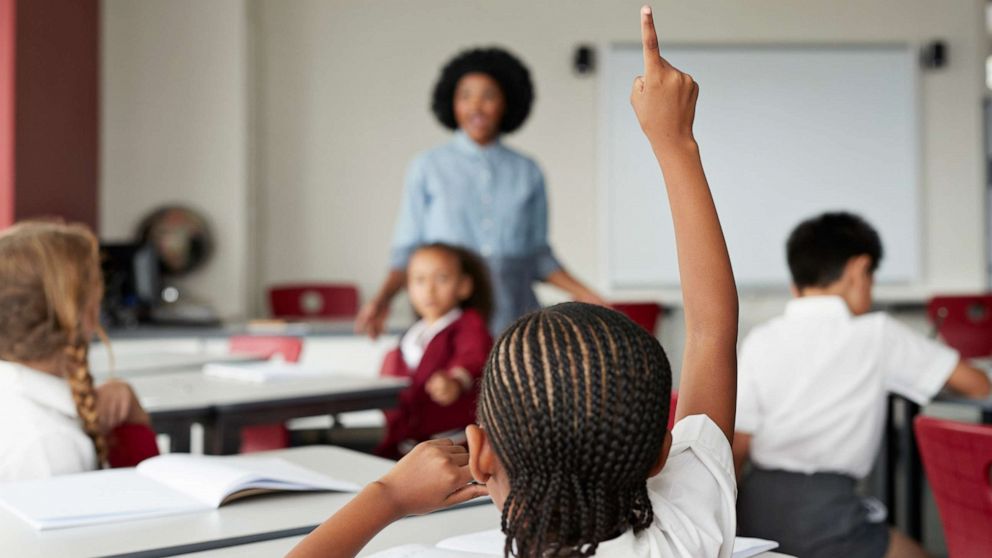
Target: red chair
[644, 314]
[267, 346]
[267, 436]
[313, 300]
[964, 322]
[957, 457]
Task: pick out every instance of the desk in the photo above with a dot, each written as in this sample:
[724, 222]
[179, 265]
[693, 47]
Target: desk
[128, 364]
[257, 518]
[177, 400]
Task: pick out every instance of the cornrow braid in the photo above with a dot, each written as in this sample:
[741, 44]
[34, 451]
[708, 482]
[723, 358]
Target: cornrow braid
[575, 400]
[84, 395]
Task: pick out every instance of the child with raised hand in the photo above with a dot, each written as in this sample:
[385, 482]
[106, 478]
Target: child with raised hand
[53, 420]
[572, 442]
[444, 352]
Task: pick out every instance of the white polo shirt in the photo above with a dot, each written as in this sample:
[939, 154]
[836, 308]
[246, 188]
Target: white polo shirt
[693, 499]
[414, 343]
[812, 384]
[40, 433]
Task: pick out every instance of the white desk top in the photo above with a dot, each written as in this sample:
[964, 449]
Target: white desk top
[428, 530]
[192, 389]
[240, 518]
[131, 364]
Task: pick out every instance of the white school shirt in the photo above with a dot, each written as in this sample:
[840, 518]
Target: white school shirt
[693, 498]
[812, 384]
[40, 432]
[415, 340]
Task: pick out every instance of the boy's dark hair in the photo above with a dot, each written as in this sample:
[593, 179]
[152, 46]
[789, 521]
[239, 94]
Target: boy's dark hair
[512, 76]
[575, 399]
[481, 299]
[819, 248]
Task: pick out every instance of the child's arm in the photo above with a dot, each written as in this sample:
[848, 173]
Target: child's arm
[665, 102]
[434, 475]
[969, 381]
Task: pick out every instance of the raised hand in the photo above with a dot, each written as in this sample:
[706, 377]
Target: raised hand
[664, 99]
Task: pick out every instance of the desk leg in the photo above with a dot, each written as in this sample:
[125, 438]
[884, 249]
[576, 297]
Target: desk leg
[222, 438]
[914, 472]
[178, 433]
[891, 458]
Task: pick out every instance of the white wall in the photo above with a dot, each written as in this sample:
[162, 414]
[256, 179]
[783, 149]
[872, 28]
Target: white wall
[339, 104]
[174, 128]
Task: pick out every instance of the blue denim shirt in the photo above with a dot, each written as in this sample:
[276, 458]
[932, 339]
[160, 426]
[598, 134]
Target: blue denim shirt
[489, 199]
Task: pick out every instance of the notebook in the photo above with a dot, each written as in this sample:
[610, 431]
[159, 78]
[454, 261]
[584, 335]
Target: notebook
[164, 485]
[490, 543]
[263, 372]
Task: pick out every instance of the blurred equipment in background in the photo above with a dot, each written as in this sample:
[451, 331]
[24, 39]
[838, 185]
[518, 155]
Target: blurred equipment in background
[131, 283]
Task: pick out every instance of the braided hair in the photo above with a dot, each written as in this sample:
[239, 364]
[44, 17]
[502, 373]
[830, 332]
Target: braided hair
[50, 287]
[575, 400]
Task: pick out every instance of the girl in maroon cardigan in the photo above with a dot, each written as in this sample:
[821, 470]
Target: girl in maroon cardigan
[444, 353]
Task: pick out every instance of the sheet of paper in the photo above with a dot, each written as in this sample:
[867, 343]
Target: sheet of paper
[745, 547]
[421, 551]
[263, 372]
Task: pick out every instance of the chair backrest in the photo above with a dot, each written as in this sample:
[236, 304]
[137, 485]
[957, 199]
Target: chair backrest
[314, 300]
[267, 346]
[644, 314]
[956, 457]
[964, 322]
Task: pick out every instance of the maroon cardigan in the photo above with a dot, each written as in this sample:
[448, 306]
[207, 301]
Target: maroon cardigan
[466, 344]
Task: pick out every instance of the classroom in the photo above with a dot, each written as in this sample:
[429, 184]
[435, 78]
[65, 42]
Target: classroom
[495, 278]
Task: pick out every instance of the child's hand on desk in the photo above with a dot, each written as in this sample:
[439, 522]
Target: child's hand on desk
[664, 98]
[116, 404]
[434, 475]
[444, 389]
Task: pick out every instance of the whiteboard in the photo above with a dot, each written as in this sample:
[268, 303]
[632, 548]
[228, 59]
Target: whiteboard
[785, 133]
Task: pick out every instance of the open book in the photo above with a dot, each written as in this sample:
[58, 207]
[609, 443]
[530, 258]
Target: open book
[490, 543]
[163, 485]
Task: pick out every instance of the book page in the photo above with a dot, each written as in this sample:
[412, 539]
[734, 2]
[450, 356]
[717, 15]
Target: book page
[93, 497]
[212, 479]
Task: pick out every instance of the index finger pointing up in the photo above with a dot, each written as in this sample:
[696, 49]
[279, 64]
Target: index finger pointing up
[649, 39]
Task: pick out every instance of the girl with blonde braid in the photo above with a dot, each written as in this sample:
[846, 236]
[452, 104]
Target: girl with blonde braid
[52, 419]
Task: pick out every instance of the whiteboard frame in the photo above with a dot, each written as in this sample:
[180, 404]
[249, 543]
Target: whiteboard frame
[603, 160]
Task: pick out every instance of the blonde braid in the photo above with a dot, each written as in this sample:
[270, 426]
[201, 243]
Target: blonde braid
[84, 394]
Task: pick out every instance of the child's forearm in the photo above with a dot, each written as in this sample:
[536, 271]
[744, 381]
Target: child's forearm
[664, 99]
[708, 290]
[351, 528]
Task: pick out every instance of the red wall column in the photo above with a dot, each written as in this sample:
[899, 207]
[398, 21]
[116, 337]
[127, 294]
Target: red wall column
[56, 155]
[7, 41]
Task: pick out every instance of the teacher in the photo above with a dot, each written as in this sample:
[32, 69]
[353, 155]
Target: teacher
[475, 192]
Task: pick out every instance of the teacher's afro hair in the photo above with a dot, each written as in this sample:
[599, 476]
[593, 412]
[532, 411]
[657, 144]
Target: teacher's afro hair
[511, 75]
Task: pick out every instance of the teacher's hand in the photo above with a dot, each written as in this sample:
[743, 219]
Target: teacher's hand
[371, 319]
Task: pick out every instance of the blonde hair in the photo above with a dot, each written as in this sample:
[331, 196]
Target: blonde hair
[50, 288]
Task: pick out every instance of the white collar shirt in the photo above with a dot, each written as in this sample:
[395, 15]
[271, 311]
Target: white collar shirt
[812, 384]
[415, 341]
[693, 499]
[40, 432]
